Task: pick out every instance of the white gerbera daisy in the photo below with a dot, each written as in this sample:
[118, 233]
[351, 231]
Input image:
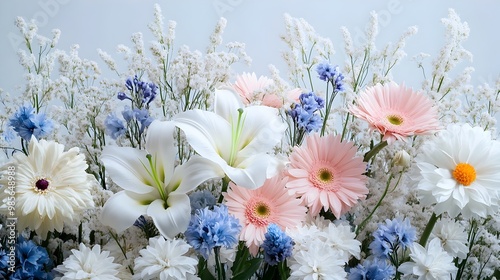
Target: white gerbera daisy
[51, 186]
[318, 262]
[165, 260]
[459, 172]
[89, 264]
[453, 238]
[429, 263]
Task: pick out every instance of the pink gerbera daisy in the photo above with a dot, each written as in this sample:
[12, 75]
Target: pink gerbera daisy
[396, 111]
[252, 89]
[326, 173]
[256, 209]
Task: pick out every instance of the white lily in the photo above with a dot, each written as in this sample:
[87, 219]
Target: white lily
[151, 183]
[236, 138]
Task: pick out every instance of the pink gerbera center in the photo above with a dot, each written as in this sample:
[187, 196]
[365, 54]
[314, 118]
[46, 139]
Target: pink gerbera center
[258, 212]
[323, 178]
[395, 119]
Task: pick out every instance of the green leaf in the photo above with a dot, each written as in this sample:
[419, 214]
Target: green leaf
[252, 266]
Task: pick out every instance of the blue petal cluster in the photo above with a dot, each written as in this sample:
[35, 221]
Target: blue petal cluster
[327, 72]
[115, 127]
[143, 91]
[303, 113]
[208, 229]
[32, 262]
[376, 269]
[26, 123]
[201, 199]
[277, 245]
[391, 235]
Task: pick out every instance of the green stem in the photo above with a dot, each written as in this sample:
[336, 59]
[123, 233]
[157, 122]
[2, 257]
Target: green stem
[367, 219]
[374, 151]
[428, 229]
[221, 273]
[225, 184]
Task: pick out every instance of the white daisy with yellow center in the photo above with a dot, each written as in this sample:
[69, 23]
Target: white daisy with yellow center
[460, 172]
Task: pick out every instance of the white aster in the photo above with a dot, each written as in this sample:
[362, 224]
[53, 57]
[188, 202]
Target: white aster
[236, 138]
[453, 238]
[459, 172]
[87, 263]
[165, 260]
[317, 262]
[51, 186]
[152, 184]
[430, 263]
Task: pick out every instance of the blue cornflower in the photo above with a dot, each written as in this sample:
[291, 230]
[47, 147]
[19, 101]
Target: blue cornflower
[4, 263]
[8, 134]
[142, 92]
[32, 261]
[128, 114]
[277, 245]
[208, 229]
[143, 117]
[311, 102]
[392, 235]
[26, 123]
[327, 72]
[201, 199]
[372, 270]
[114, 126]
[304, 119]
[122, 96]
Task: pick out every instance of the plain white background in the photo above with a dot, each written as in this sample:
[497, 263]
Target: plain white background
[97, 24]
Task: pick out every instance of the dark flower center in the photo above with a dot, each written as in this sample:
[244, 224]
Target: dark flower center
[42, 184]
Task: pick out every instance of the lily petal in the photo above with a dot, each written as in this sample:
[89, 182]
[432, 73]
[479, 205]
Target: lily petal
[160, 144]
[262, 130]
[209, 134]
[226, 104]
[121, 210]
[194, 172]
[175, 218]
[125, 169]
[250, 173]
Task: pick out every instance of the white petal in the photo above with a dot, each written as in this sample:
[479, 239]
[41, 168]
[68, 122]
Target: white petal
[160, 144]
[226, 104]
[190, 175]
[124, 166]
[208, 134]
[251, 173]
[174, 219]
[121, 210]
[262, 130]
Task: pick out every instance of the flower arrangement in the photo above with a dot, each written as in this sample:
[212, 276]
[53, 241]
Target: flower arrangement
[179, 168]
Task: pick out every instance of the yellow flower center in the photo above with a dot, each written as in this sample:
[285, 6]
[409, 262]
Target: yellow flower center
[325, 175]
[395, 119]
[258, 212]
[464, 174]
[262, 210]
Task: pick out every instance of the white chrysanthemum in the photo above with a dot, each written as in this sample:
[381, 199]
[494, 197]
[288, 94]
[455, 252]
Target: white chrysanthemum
[453, 238]
[429, 263]
[318, 262]
[459, 172]
[340, 237]
[89, 264]
[51, 186]
[165, 259]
